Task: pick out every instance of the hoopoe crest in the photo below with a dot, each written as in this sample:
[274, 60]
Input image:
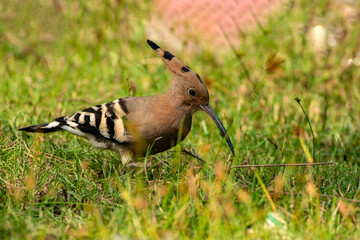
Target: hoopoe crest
[130, 125]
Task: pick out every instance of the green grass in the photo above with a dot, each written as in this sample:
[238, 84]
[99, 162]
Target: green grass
[59, 58]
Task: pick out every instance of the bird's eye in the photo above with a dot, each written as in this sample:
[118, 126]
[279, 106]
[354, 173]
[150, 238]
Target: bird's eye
[192, 92]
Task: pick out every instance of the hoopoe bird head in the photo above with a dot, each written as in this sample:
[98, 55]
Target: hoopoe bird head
[188, 85]
[141, 125]
[192, 91]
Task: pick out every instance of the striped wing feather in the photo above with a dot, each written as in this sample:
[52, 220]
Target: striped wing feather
[104, 122]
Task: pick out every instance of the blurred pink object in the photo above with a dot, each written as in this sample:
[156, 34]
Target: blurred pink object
[205, 21]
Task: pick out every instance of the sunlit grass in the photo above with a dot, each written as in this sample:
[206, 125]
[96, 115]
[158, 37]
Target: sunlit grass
[60, 57]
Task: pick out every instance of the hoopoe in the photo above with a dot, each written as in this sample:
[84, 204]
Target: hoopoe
[131, 125]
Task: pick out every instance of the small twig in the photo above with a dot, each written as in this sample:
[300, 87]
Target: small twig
[8, 184]
[275, 165]
[11, 145]
[283, 165]
[53, 157]
[345, 199]
[111, 202]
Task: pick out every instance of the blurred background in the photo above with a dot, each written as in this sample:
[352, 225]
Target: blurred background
[256, 57]
[199, 23]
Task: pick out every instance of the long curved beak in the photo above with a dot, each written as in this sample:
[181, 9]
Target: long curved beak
[208, 109]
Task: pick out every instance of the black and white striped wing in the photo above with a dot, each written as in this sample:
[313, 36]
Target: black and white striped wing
[101, 122]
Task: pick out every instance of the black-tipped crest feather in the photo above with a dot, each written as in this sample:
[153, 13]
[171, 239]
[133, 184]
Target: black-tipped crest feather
[152, 44]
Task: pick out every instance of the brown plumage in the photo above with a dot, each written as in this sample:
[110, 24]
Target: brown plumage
[136, 125]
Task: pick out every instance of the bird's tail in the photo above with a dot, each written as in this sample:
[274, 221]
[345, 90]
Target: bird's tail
[44, 128]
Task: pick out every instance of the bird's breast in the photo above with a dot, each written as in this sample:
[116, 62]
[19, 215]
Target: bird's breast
[160, 131]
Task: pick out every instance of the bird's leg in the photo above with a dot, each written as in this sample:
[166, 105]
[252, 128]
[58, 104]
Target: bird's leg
[193, 155]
